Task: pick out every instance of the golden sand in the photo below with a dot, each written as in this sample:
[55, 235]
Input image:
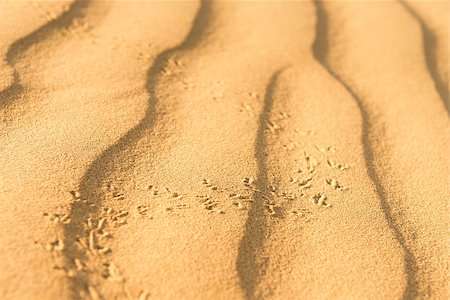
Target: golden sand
[224, 150]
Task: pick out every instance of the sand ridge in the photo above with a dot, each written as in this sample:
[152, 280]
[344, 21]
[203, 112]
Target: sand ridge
[224, 149]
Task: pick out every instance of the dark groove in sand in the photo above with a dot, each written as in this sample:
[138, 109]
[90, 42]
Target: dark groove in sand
[429, 49]
[320, 50]
[64, 21]
[249, 268]
[91, 183]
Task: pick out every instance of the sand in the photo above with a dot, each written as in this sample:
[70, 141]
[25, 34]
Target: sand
[224, 150]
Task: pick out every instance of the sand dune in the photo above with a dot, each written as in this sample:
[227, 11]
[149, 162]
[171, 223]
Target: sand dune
[224, 149]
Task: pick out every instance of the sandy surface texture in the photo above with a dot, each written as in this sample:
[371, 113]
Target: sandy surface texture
[224, 149]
